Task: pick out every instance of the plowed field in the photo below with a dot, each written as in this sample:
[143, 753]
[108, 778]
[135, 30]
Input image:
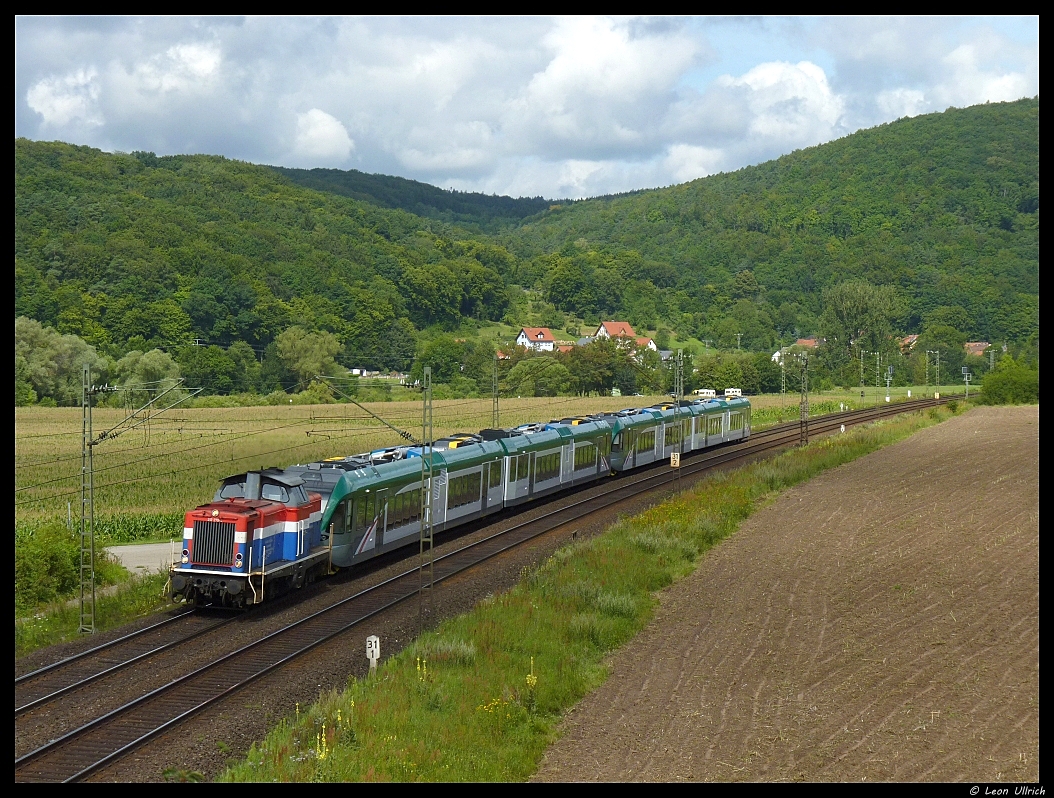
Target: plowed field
[880, 622]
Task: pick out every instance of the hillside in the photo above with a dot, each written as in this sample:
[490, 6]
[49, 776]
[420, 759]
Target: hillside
[943, 206]
[140, 251]
[136, 251]
[481, 211]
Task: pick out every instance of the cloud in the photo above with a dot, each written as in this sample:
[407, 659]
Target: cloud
[792, 103]
[603, 89]
[321, 138]
[67, 99]
[895, 67]
[686, 162]
[575, 106]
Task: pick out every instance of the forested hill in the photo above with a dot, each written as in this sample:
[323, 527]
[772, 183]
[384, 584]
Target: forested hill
[136, 251]
[943, 206]
[483, 211]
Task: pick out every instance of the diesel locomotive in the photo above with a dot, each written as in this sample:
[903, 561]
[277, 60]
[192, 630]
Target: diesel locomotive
[267, 532]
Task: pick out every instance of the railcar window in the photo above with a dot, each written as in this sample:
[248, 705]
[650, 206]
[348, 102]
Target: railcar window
[646, 441]
[585, 456]
[616, 443]
[233, 491]
[546, 467]
[405, 508]
[713, 425]
[464, 490]
[604, 446]
[735, 421]
[676, 432]
[360, 515]
[495, 473]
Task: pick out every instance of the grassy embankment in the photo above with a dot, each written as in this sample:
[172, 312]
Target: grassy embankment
[481, 697]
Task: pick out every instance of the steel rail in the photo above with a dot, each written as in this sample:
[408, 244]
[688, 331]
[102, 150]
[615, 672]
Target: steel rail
[243, 671]
[84, 682]
[102, 647]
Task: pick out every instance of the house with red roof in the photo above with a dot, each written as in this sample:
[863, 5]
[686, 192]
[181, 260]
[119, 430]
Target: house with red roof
[907, 343]
[615, 329]
[976, 348]
[646, 343]
[539, 339]
[811, 343]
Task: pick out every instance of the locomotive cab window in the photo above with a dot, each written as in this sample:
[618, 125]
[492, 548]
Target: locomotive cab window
[234, 490]
[274, 493]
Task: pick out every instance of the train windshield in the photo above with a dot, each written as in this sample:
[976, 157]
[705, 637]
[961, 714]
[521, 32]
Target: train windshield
[232, 490]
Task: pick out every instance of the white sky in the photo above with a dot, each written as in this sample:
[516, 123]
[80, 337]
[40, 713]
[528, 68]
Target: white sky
[561, 107]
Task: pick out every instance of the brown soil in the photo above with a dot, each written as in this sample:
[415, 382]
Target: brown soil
[880, 622]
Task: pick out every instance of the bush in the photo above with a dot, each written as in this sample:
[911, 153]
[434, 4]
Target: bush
[46, 565]
[1010, 383]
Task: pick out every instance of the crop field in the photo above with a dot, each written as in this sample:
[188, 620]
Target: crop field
[146, 478]
[175, 461]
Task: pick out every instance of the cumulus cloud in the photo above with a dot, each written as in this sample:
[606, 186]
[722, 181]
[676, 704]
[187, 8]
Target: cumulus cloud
[67, 99]
[603, 88]
[686, 162]
[789, 102]
[321, 139]
[573, 107]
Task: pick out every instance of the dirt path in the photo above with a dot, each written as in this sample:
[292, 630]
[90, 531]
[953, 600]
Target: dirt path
[880, 622]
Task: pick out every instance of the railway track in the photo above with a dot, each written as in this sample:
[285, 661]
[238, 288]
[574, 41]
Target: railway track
[44, 685]
[81, 752]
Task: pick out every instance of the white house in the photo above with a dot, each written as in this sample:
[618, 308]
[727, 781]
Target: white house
[615, 329]
[539, 339]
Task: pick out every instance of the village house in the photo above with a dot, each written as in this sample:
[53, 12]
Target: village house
[907, 343]
[976, 348]
[615, 329]
[540, 339]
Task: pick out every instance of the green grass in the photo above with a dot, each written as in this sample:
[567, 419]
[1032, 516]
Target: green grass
[480, 699]
[134, 597]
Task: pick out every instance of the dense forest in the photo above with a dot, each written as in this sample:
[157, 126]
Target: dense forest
[472, 210]
[251, 278]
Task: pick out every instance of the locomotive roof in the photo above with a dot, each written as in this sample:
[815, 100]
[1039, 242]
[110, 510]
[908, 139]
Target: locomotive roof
[267, 475]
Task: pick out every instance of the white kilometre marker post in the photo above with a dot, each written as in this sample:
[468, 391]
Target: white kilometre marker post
[373, 652]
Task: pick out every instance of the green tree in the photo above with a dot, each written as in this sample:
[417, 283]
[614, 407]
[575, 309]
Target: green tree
[538, 376]
[246, 376]
[24, 393]
[856, 315]
[53, 363]
[593, 366]
[444, 354]
[209, 368]
[949, 342]
[307, 355]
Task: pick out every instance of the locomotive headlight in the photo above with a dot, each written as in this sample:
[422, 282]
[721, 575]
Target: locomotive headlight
[184, 559]
[186, 552]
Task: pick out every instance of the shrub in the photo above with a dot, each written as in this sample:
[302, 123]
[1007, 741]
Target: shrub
[1010, 383]
[46, 565]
